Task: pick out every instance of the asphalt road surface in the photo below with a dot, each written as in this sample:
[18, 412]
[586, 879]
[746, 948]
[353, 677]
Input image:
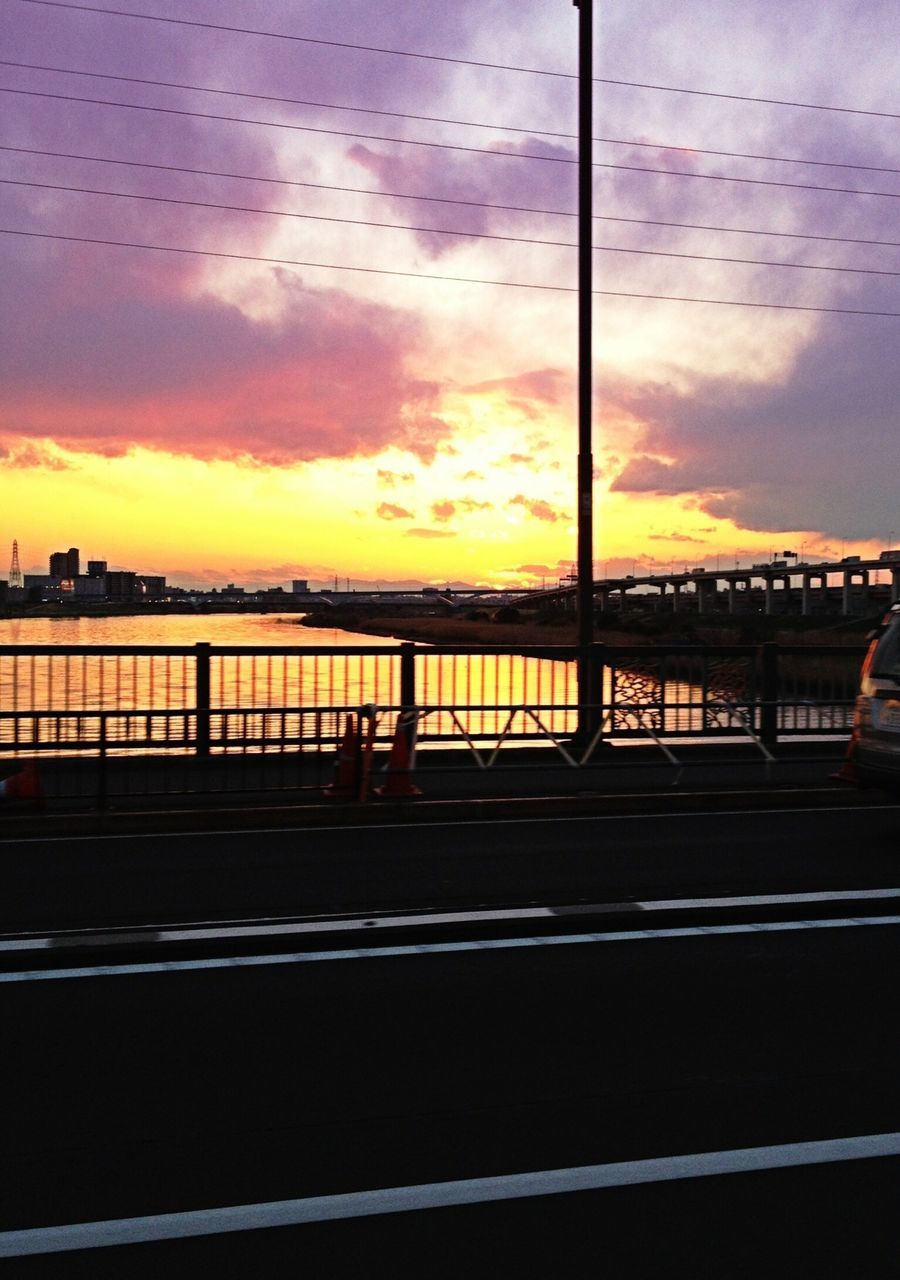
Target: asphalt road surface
[154, 1077]
[65, 883]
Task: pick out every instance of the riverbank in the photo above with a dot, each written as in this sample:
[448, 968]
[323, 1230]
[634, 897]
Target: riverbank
[520, 631]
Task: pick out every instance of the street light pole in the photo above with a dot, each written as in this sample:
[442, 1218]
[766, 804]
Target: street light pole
[587, 695]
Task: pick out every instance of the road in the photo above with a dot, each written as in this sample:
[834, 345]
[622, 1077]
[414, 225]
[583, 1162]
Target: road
[148, 1076]
[65, 883]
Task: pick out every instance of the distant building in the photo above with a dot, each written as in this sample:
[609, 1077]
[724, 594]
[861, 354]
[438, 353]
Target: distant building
[43, 587]
[121, 585]
[86, 586]
[96, 568]
[151, 586]
[65, 564]
[300, 586]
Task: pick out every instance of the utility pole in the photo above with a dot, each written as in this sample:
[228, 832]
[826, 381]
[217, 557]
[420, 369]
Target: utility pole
[587, 695]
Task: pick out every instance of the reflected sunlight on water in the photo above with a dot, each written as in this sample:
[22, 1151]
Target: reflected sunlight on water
[304, 678]
[179, 629]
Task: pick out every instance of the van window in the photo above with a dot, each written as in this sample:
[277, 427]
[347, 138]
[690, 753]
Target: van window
[886, 659]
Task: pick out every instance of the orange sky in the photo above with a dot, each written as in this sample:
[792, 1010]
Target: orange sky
[358, 406]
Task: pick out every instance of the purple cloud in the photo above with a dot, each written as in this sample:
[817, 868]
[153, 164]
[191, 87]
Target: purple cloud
[812, 452]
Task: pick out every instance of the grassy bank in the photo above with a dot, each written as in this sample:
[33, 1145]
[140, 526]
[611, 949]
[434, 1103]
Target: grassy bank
[526, 629]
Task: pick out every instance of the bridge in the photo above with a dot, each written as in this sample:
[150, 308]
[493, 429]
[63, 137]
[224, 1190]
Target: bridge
[764, 588]
[841, 587]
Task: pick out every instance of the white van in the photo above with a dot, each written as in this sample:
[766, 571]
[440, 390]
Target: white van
[874, 754]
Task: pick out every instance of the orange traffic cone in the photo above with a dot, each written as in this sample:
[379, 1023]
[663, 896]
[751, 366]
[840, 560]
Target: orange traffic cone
[399, 784]
[847, 772]
[24, 785]
[346, 784]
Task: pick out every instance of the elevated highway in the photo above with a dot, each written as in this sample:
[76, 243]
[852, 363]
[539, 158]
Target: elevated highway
[842, 587]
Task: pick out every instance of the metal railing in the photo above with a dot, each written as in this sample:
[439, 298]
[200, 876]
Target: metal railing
[206, 700]
[138, 721]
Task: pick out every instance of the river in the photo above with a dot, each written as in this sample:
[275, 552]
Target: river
[178, 629]
[307, 676]
[276, 663]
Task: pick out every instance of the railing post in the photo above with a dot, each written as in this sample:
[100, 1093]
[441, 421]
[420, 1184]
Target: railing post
[408, 689]
[768, 693]
[102, 780]
[408, 676]
[201, 696]
[597, 662]
[590, 663]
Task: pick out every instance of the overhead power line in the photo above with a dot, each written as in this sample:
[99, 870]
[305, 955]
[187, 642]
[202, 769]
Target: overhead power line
[468, 124]
[427, 275]
[434, 57]
[283, 124]
[405, 195]
[441, 231]
[291, 102]
[444, 146]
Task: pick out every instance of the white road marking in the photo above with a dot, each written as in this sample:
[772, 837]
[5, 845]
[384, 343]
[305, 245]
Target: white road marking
[434, 948]
[442, 825]
[212, 931]
[442, 1195]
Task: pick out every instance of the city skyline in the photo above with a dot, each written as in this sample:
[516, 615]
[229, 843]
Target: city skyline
[226, 418]
[69, 564]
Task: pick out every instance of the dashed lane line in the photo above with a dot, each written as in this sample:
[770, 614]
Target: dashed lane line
[212, 931]
[436, 948]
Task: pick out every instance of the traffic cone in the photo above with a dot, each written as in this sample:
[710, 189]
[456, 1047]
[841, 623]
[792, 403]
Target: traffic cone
[399, 784]
[24, 785]
[847, 772]
[346, 784]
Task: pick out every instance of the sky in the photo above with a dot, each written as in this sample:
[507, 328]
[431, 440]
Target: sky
[289, 364]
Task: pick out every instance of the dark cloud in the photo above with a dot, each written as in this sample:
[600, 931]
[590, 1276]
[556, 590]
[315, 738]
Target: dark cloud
[443, 510]
[476, 179]
[813, 451]
[429, 533]
[100, 368]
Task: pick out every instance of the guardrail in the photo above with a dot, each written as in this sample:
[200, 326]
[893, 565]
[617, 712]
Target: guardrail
[135, 722]
[206, 700]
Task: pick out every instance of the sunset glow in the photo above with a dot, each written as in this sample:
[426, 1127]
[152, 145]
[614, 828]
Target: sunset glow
[223, 419]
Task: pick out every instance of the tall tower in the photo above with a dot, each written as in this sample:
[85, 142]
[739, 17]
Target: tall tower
[15, 572]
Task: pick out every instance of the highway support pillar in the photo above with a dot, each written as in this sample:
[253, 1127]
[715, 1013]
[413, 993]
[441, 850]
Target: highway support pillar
[770, 595]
